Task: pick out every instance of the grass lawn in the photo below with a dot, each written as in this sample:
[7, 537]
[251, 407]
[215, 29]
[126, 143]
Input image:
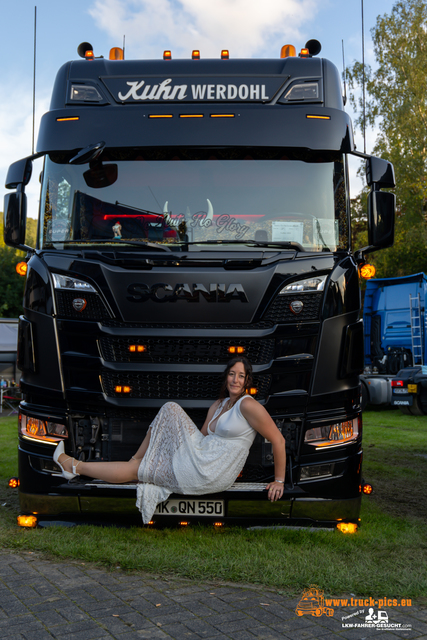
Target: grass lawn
[386, 557]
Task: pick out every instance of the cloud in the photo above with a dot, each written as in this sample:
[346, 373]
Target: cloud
[16, 136]
[245, 27]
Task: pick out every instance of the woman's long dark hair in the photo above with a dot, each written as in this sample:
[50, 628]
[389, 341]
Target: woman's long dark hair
[248, 372]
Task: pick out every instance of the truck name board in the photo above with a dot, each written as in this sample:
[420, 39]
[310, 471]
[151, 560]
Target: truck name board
[151, 89]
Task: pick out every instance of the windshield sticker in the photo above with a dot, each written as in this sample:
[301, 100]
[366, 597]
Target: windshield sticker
[283, 231]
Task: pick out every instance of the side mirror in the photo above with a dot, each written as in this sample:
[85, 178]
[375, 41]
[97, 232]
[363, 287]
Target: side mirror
[19, 173]
[380, 173]
[381, 210]
[15, 218]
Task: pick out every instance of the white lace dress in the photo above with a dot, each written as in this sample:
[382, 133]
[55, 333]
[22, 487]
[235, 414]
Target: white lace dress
[180, 459]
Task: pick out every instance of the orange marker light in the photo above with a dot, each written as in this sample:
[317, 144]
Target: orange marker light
[89, 55]
[167, 55]
[252, 391]
[137, 348]
[224, 54]
[367, 271]
[21, 268]
[13, 483]
[118, 388]
[184, 523]
[288, 51]
[347, 527]
[236, 350]
[304, 53]
[27, 521]
[367, 488]
[116, 53]
[196, 54]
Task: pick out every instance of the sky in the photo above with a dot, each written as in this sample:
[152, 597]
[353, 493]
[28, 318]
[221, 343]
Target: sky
[248, 28]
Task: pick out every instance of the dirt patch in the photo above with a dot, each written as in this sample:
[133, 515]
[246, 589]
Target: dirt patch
[399, 481]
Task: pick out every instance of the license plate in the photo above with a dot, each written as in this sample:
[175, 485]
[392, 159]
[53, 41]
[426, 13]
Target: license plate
[185, 507]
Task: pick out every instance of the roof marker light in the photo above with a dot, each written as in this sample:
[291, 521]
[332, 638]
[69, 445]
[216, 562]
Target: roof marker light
[305, 53]
[196, 54]
[222, 115]
[288, 51]
[160, 115]
[67, 119]
[167, 55]
[312, 117]
[116, 53]
[224, 54]
[191, 115]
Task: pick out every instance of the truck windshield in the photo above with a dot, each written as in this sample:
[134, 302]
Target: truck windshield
[194, 199]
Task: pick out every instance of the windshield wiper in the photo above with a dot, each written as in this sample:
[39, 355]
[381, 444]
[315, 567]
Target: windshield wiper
[148, 245]
[285, 244]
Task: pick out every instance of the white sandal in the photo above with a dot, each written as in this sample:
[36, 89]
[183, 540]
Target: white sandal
[66, 474]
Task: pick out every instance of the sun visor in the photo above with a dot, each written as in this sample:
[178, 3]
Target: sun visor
[312, 127]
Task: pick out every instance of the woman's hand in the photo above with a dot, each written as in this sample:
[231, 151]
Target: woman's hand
[275, 490]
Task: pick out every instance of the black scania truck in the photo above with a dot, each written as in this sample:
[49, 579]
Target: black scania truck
[191, 210]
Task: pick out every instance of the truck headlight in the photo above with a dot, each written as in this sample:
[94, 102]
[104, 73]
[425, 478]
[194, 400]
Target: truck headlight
[333, 435]
[71, 284]
[308, 285]
[44, 430]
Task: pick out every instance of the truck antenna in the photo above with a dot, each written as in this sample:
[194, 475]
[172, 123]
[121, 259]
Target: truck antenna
[363, 82]
[344, 74]
[124, 37]
[34, 79]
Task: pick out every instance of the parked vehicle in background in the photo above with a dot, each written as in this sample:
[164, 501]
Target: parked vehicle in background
[395, 326]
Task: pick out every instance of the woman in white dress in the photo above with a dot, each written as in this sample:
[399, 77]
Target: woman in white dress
[177, 457]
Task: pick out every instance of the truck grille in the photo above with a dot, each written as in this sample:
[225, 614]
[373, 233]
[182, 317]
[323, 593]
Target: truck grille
[183, 351]
[280, 310]
[172, 386]
[95, 308]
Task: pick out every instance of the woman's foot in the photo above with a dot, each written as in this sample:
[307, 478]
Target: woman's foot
[67, 465]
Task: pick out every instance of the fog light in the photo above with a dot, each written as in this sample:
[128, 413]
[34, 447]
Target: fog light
[317, 471]
[27, 521]
[347, 527]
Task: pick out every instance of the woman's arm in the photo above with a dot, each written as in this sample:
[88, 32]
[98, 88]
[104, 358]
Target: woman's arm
[261, 421]
[209, 417]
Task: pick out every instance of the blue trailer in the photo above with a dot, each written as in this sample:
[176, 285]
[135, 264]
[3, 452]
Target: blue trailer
[395, 345]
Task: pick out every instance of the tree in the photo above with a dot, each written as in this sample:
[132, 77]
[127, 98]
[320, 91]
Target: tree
[11, 284]
[397, 102]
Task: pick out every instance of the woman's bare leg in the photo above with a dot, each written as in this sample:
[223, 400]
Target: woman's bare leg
[117, 472]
